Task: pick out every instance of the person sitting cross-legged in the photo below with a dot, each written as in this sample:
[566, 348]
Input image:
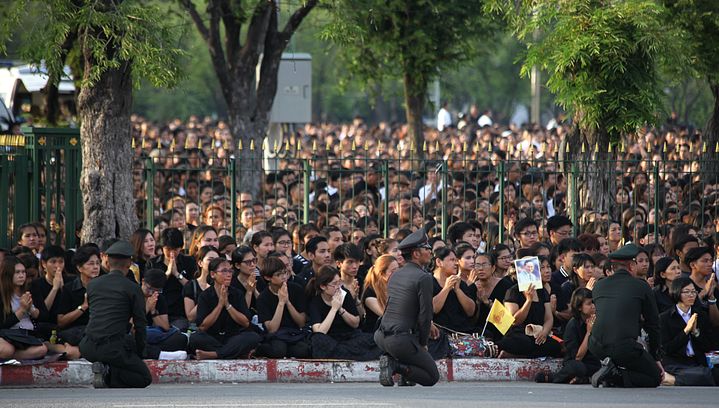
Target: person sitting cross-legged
[222, 319]
[164, 342]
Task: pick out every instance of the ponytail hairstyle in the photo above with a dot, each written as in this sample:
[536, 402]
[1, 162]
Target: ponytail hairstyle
[440, 254]
[323, 277]
[377, 280]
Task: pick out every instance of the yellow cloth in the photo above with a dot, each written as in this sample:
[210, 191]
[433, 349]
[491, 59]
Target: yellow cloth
[500, 317]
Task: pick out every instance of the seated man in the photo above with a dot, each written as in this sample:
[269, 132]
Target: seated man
[164, 342]
[46, 289]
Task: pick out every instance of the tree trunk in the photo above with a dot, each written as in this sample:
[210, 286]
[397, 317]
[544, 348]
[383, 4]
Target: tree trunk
[710, 162]
[589, 170]
[251, 132]
[52, 105]
[414, 96]
[106, 178]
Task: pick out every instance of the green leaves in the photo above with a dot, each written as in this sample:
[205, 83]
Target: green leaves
[112, 32]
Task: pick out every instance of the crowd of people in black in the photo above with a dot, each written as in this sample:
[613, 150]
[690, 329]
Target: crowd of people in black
[281, 288]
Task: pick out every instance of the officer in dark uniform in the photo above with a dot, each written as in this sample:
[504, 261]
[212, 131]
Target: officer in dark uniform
[114, 300]
[405, 327]
[623, 302]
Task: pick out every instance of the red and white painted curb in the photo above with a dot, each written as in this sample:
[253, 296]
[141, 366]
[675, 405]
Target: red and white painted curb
[79, 373]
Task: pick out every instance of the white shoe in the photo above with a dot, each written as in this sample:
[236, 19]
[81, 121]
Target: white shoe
[173, 355]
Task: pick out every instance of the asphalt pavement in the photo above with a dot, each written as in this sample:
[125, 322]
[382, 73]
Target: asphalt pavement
[446, 395]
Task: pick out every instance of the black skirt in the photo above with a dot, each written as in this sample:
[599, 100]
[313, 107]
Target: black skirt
[20, 338]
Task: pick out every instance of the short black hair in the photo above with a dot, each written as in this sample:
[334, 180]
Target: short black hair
[694, 254]
[681, 241]
[52, 251]
[312, 244]
[558, 221]
[457, 230]
[569, 244]
[675, 290]
[524, 223]
[155, 278]
[83, 254]
[172, 238]
[347, 251]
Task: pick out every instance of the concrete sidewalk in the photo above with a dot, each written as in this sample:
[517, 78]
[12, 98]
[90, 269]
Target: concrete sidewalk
[79, 373]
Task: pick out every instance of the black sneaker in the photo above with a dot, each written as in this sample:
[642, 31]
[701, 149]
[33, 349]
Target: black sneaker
[100, 371]
[386, 370]
[607, 370]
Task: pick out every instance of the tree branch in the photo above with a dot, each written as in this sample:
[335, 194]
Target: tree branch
[189, 6]
[296, 19]
[257, 31]
[233, 28]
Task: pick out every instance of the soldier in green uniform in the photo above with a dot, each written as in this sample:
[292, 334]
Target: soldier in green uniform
[109, 342]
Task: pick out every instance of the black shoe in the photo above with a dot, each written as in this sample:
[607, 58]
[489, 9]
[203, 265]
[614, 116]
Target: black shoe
[386, 370]
[100, 371]
[607, 371]
[404, 382]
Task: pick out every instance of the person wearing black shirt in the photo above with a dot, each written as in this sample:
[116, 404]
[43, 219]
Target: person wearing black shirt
[73, 311]
[46, 291]
[406, 326]
[374, 295]
[164, 342]
[245, 277]
[624, 304]
[700, 261]
[114, 300]
[222, 319]
[335, 321]
[579, 363]
[179, 269]
[318, 252]
[281, 308]
[489, 288]
[666, 270]
[192, 290]
[686, 338]
[453, 302]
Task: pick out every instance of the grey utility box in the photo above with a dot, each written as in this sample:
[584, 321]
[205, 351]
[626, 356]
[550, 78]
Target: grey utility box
[293, 101]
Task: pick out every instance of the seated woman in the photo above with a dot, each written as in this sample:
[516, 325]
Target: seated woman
[453, 300]
[465, 262]
[686, 335]
[222, 319]
[489, 288]
[73, 313]
[584, 275]
[374, 296]
[17, 340]
[281, 308]
[193, 289]
[335, 321]
[579, 363]
[164, 342]
[530, 307]
[244, 262]
[666, 270]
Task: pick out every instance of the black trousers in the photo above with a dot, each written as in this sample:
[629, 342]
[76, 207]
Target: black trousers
[637, 366]
[575, 369]
[176, 342]
[407, 350]
[226, 347]
[519, 344]
[180, 322]
[275, 348]
[693, 374]
[127, 370]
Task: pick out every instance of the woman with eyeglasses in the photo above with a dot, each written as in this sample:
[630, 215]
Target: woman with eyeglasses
[222, 319]
[192, 289]
[686, 337]
[244, 262]
[489, 288]
[281, 308]
[335, 321]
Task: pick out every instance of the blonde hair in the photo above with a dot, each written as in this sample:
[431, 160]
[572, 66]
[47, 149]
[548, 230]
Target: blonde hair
[376, 278]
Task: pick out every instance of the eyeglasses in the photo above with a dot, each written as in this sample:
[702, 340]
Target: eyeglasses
[248, 262]
[284, 242]
[153, 290]
[226, 270]
[530, 234]
[334, 285]
[483, 265]
[690, 292]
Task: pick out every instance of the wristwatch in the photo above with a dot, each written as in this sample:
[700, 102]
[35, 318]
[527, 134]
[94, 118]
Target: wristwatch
[81, 309]
[341, 312]
[228, 307]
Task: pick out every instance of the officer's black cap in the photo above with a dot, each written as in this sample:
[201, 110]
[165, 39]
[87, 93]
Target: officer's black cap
[625, 253]
[417, 239]
[120, 249]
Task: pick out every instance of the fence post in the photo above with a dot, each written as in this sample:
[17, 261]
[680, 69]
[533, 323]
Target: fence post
[233, 195]
[150, 193]
[72, 180]
[500, 171]
[575, 198]
[385, 204]
[445, 186]
[306, 194]
[656, 202]
[22, 203]
[4, 193]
